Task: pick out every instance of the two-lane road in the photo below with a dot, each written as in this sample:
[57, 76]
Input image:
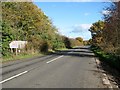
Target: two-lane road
[74, 68]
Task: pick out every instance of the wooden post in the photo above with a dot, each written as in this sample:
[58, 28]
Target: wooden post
[11, 50]
[16, 51]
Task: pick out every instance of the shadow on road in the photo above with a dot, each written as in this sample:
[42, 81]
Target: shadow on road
[79, 52]
[84, 51]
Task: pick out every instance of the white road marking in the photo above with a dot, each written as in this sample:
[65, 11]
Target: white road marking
[13, 77]
[54, 59]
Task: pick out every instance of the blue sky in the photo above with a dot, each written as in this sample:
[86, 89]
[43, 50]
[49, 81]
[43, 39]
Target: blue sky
[73, 19]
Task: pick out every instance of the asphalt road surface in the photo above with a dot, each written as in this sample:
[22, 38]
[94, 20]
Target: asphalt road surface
[73, 68]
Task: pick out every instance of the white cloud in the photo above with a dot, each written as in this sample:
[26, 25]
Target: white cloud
[81, 28]
[78, 30]
[86, 14]
[105, 12]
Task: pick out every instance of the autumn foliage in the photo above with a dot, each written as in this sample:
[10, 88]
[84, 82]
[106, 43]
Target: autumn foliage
[106, 34]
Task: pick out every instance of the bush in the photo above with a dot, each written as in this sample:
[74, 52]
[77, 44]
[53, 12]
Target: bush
[44, 47]
[7, 37]
[111, 60]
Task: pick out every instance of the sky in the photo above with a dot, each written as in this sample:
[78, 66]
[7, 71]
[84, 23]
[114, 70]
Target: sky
[73, 19]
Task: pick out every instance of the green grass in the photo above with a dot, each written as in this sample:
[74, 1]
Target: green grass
[20, 57]
[62, 49]
[25, 56]
[111, 60]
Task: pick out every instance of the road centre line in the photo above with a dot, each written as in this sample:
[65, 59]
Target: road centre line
[15, 76]
[54, 59]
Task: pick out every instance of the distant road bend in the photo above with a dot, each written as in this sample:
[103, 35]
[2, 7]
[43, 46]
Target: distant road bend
[73, 68]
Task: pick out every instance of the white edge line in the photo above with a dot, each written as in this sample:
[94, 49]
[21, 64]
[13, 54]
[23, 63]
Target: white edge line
[54, 59]
[13, 77]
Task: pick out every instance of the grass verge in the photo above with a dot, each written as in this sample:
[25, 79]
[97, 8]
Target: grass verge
[112, 60]
[25, 56]
[20, 57]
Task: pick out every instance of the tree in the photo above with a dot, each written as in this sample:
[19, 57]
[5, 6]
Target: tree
[7, 37]
[112, 30]
[96, 30]
[106, 34]
[25, 21]
[80, 39]
[67, 42]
